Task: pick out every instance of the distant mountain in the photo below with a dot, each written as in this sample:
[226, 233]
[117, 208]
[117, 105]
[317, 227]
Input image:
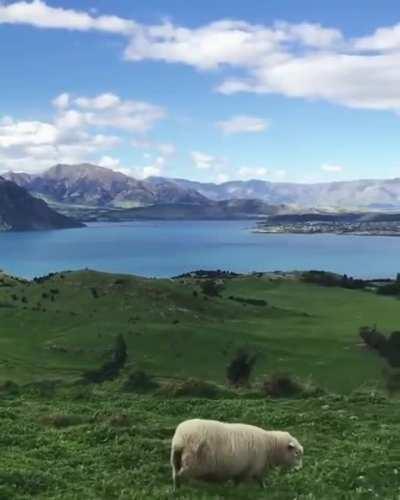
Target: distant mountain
[93, 186]
[368, 194]
[20, 211]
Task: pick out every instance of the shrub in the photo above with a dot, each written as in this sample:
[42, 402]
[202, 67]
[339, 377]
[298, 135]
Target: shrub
[111, 369]
[239, 370]
[211, 288]
[392, 349]
[324, 278]
[390, 289]
[281, 385]
[139, 381]
[393, 382]
[42, 388]
[373, 338]
[192, 387]
[121, 420]
[9, 387]
[252, 302]
[60, 421]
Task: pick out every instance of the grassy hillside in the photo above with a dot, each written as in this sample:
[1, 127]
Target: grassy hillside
[68, 441]
[59, 327]
[106, 446]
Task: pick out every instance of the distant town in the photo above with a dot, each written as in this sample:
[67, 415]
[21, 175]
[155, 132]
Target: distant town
[336, 225]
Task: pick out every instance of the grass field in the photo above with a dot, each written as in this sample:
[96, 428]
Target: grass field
[57, 328]
[71, 442]
[108, 446]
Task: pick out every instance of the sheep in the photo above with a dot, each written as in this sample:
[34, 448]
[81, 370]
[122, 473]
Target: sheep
[215, 451]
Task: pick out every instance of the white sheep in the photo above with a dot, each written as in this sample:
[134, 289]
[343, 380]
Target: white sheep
[215, 451]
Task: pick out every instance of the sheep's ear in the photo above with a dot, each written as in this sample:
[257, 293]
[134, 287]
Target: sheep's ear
[291, 446]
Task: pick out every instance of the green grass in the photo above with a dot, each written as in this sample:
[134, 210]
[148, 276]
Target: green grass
[110, 446]
[306, 329]
[98, 442]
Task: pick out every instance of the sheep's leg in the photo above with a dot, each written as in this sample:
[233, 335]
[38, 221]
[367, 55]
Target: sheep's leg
[176, 463]
[175, 480]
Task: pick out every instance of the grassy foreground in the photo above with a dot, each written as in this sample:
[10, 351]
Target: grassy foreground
[103, 446]
[74, 442]
[57, 328]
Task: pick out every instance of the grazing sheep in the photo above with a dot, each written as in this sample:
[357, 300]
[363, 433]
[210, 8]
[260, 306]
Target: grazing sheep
[215, 451]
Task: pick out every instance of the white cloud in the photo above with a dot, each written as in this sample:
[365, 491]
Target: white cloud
[242, 124]
[41, 15]
[61, 101]
[203, 161]
[108, 162]
[108, 110]
[383, 39]
[100, 102]
[303, 60]
[81, 128]
[221, 178]
[166, 148]
[249, 173]
[332, 168]
[25, 133]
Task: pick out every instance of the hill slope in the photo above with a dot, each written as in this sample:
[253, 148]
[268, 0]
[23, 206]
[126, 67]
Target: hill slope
[66, 323]
[20, 211]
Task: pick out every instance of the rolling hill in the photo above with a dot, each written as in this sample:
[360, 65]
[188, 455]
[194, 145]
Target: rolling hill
[65, 323]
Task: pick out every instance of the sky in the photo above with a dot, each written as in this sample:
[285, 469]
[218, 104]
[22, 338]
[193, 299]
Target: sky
[279, 90]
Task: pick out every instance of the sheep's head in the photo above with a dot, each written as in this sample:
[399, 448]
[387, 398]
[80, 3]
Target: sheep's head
[293, 453]
[288, 451]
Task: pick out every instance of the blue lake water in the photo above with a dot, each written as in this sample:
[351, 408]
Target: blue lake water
[169, 248]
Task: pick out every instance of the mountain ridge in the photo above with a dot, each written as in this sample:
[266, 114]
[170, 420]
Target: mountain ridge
[92, 185]
[19, 211]
[95, 186]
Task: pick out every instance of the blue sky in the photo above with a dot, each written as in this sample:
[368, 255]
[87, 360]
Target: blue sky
[280, 90]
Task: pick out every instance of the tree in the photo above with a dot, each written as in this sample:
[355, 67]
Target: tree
[111, 369]
[211, 288]
[392, 350]
[239, 370]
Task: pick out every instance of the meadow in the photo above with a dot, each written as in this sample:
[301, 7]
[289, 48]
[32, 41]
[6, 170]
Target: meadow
[62, 439]
[67, 323]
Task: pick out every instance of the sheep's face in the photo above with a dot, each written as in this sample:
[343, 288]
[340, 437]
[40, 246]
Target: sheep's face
[293, 455]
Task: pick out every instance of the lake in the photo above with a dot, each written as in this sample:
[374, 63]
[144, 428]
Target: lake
[164, 249]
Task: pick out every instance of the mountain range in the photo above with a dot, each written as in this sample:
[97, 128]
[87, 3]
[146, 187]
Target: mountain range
[19, 211]
[93, 186]
[368, 194]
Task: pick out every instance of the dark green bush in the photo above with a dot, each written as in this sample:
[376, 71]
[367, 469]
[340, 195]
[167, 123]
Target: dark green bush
[239, 370]
[191, 388]
[111, 369]
[282, 385]
[140, 382]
